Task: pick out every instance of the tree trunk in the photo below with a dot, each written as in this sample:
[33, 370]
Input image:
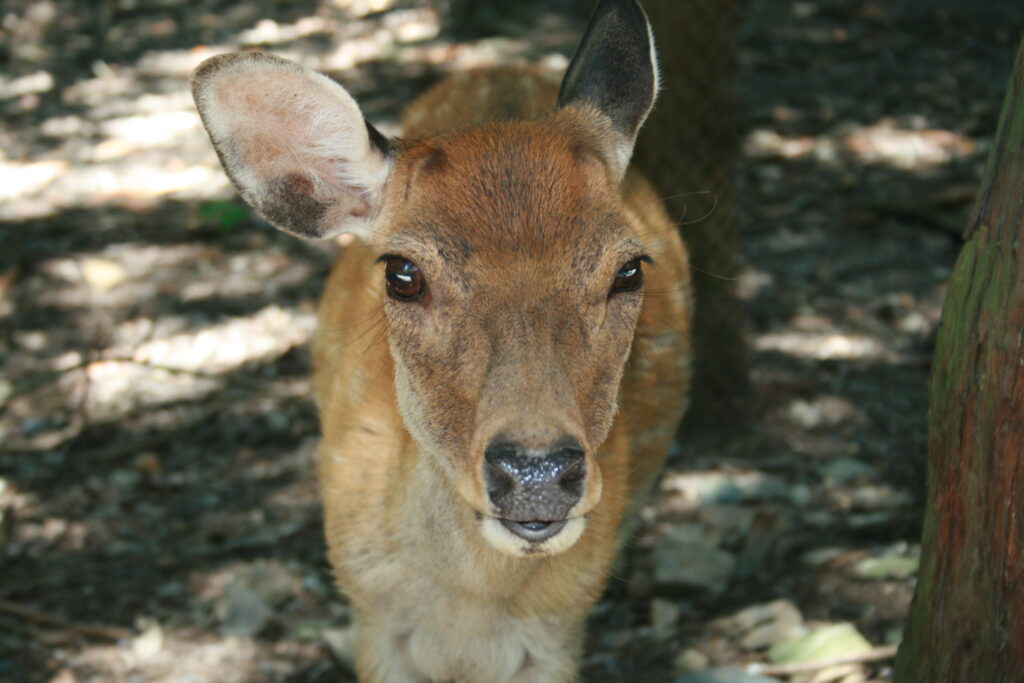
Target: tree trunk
[687, 149]
[967, 620]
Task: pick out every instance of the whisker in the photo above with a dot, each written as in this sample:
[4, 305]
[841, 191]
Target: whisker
[344, 328]
[667, 324]
[684, 194]
[714, 206]
[714, 275]
[376, 326]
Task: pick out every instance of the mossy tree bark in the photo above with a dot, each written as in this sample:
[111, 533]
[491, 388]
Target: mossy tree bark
[687, 149]
[967, 620]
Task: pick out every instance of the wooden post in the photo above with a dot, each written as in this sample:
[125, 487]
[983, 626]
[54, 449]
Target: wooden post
[967, 621]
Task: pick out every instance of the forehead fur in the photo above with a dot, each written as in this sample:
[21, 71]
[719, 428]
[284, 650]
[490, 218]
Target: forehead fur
[525, 186]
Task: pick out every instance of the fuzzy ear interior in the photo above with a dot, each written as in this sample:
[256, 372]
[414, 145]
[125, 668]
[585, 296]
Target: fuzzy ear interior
[615, 70]
[293, 142]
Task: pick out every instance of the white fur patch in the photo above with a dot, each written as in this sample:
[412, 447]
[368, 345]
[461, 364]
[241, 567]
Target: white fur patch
[503, 540]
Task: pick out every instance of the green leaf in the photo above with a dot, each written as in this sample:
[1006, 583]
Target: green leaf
[224, 214]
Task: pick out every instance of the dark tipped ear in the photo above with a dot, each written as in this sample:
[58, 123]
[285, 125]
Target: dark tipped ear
[294, 143]
[615, 70]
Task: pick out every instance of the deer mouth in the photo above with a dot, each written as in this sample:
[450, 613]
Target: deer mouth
[534, 531]
[532, 537]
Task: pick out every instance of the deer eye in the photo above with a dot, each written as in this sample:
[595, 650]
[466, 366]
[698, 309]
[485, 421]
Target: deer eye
[403, 279]
[629, 278]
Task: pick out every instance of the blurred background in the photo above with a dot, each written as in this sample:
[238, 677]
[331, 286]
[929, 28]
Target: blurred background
[158, 513]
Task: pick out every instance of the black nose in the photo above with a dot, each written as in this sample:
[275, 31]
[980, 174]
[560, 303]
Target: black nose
[533, 487]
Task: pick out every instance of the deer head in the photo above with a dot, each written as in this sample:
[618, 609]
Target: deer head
[511, 275]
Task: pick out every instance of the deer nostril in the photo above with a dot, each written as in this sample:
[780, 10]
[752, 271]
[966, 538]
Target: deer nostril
[501, 471]
[499, 482]
[573, 474]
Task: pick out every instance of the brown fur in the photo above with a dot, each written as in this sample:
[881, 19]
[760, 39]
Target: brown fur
[518, 225]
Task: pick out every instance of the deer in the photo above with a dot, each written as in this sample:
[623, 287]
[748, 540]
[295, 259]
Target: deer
[502, 355]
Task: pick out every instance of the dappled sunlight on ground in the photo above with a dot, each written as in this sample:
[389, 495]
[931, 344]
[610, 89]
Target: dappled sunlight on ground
[135, 137]
[219, 348]
[917, 149]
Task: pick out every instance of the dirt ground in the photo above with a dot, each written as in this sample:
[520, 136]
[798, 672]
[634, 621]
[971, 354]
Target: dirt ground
[158, 514]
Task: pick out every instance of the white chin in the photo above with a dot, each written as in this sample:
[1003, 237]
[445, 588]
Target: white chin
[503, 540]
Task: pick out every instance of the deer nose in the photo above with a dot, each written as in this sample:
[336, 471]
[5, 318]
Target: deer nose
[534, 489]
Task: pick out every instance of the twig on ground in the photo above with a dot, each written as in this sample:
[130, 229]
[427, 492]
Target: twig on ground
[92, 630]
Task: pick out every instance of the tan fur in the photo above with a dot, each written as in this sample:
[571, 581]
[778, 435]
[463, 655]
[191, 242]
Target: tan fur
[518, 224]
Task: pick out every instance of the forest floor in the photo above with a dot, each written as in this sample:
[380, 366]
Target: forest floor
[159, 518]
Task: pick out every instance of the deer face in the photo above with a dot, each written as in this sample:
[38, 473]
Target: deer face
[512, 287]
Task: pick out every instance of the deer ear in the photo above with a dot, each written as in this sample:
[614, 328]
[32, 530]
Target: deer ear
[293, 142]
[615, 70]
